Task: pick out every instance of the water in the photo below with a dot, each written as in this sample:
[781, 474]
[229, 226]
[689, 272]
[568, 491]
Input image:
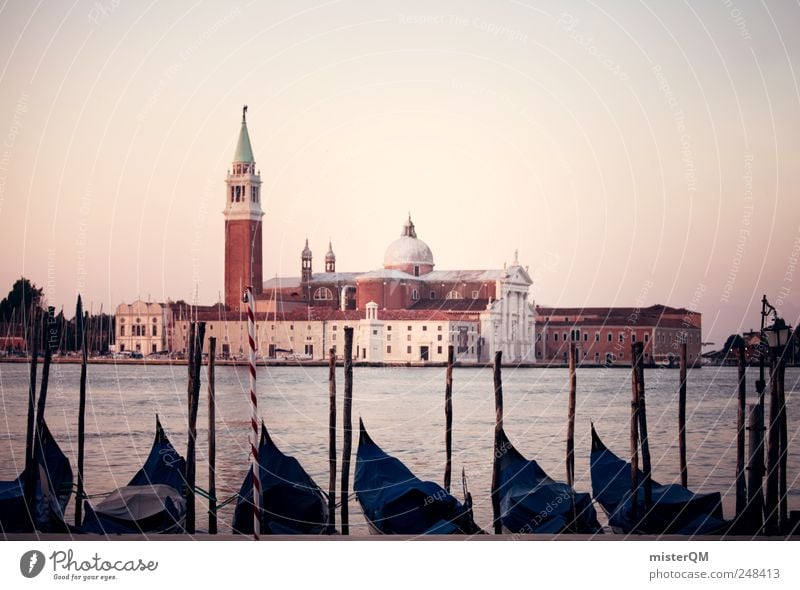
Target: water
[403, 408]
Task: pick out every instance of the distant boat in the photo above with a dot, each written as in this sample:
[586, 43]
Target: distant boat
[53, 490]
[154, 501]
[532, 502]
[675, 511]
[291, 504]
[395, 501]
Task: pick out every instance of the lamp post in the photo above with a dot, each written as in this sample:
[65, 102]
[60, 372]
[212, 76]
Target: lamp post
[777, 336]
[756, 427]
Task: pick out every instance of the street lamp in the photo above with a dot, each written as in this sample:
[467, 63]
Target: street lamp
[777, 335]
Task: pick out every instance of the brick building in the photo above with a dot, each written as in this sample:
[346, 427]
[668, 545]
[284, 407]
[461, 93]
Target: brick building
[603, 335]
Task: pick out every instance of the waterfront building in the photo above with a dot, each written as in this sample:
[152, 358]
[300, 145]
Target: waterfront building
[603, 335]
[405, 311]
[144, 327]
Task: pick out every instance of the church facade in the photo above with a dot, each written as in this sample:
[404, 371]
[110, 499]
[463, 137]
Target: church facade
[406, 311]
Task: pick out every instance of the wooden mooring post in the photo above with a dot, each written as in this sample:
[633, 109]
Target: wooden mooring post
[212, 437]
[30, 472]
[783, 508]
[644, 440]
[347, 426]
[50, 332]
[194, 402]
[571, 417]
[331, 440]
[634, 438]
[772, 522]
[498, 451]
[82, 417]
[755, 468]
[741, 484]
[682, 418]
[448, 418]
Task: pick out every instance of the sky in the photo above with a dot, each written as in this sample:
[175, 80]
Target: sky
[632, 152]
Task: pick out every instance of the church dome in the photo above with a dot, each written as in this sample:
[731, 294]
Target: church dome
[408, 250]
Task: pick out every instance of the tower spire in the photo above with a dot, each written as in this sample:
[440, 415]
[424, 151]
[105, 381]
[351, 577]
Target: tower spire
[330, 259]
[244, 151]
[305, 267]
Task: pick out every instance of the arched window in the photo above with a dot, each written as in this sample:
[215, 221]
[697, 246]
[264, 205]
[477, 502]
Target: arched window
[454, 295]
[414, 295]
[323, 294]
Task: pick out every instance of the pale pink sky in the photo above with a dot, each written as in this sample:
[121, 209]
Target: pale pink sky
[634, 153]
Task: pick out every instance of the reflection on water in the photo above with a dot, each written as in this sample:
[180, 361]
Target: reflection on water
[404, 410]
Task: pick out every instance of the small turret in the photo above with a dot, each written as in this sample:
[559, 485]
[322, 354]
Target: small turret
[305, 275]
[330, 259]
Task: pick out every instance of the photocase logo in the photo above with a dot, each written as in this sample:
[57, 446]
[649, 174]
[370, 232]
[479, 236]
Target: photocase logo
[31, 563]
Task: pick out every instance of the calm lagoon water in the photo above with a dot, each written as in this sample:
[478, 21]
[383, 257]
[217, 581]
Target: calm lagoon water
[403, 408]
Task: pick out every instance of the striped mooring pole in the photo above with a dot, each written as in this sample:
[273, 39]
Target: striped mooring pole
[251, 336]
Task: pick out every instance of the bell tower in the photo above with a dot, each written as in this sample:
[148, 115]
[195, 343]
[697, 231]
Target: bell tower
[243, 261]
[305, 269]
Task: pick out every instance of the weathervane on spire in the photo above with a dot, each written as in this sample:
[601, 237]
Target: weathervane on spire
[244, 114]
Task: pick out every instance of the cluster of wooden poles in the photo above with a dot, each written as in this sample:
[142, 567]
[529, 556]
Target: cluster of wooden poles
[757, 510]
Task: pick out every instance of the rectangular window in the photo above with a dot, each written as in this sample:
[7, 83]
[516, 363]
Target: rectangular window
[564, 335]
[646, 337]
[291, 326]
[388, 328]
[439, 349]
[439, 328]
[155, 330]
[408, 349]
[597, 336]
[408, 337]
[555, 335]
[388, 350]
[424, 328]
[610, 337]
[586, 336]
[622, 336]
[333, 337]
[388, 337]
[433, 294]
[409, 327]
[439, 337]
[633, 337]
[374, 332]
[474, 294]
[335, 327]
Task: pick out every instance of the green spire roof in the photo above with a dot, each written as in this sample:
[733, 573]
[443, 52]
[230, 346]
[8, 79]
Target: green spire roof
[244, 152]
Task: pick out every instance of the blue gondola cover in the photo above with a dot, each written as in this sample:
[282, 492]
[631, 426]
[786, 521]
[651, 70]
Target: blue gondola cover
[676, 510]
[292, 503]
[395, 501]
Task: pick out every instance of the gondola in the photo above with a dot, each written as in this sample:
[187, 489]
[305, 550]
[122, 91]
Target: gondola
[154, 501]
[53, 488]
[675, 511]
[531, 502]
[395, 501]
[291, 503]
